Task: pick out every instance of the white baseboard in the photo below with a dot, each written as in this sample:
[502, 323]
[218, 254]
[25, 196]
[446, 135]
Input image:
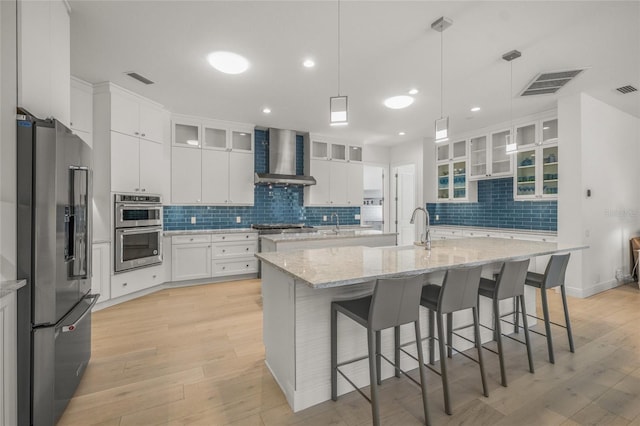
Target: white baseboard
[595, 289]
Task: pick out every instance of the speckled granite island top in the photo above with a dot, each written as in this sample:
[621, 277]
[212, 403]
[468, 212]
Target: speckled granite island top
[326, 234]
[332, 267]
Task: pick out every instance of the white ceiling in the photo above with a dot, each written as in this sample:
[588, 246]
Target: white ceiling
[387, 49]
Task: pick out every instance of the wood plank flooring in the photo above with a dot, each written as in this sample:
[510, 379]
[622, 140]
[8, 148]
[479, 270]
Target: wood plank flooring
[194, 356]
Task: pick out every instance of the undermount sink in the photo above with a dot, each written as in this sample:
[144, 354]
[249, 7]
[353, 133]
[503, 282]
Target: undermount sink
[340, 232]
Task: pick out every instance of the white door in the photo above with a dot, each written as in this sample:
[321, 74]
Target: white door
[125, 114]
[373, 211]
[338, 182]
[241, 166]
[190, 261]
[186, 175]
[215, 176]
[355, 184]
[405, 203]
[319, 194]
[125, 163]
[151, 123]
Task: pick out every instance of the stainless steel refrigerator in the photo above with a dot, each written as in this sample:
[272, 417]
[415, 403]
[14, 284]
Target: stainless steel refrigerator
[54, 256]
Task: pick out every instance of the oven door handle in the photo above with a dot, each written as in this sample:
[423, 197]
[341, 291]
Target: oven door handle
[140, 206]
[144, 230]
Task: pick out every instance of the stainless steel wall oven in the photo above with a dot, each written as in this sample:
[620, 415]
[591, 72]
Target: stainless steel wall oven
[138, 231]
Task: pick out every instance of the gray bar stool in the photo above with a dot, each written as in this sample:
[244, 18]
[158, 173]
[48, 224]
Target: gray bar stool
[553, 277]
[459, 291]
[394, 302]
[509, 285]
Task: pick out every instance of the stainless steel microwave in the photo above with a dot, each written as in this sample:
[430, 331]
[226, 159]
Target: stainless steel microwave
[137, 247]
[132, 211]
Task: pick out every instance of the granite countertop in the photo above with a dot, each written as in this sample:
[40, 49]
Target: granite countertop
[208, 231]
[325, 234]
[8, 287]
[338, 266]
[488, 229]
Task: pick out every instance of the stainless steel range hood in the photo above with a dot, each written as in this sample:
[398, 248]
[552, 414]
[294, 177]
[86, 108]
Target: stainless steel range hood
[282, 161]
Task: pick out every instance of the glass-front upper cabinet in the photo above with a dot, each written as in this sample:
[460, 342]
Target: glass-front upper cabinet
[214, 137]
[451, 151]
[186, 135]
[241, 140]
[526, 135]
[338, 152]
[442, 152]
[355, 153]
[541, 132]
[452, 181]
[459, 150]
[500, 160]
[537, 173]
[460, 180]
[478, 157]
[550, 131]
[443, 181]
[320, 150]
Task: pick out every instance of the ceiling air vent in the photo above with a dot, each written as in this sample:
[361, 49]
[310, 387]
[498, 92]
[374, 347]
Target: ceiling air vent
[626, 89]
[549, 82]
[138, 77]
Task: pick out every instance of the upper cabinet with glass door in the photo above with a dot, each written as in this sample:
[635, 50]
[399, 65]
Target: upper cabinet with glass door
[209, 134]
[336, 151]
[451, 151]
[488, 156]
[539, 132]
[187, 133]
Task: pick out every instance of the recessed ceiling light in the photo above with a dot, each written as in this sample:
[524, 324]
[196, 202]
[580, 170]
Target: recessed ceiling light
[228, 62]
[266, 110]
[308, 63]
[413, 91]
[398, 102]
[475, 109]
[401, 133]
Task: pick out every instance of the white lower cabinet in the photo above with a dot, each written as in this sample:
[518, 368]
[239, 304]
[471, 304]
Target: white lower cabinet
[136, 280]
[8, 359]
[233, 254]
[101, 270]
[190, 257]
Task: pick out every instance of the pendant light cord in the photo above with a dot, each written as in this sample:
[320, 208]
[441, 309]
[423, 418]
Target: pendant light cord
[338, 47]
[511, 97]
[441, 72]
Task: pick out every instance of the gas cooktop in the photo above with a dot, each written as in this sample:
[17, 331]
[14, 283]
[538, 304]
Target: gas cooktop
[279, 228]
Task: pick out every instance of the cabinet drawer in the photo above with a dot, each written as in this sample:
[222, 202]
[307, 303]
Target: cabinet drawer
[237, 236]
[242, 248]
[191, 239]
[130, 282]
[234, 267]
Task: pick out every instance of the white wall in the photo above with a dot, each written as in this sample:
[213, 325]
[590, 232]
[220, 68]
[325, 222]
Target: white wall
[603, 145]
[44, 86]
[7, 140]
[376, 154]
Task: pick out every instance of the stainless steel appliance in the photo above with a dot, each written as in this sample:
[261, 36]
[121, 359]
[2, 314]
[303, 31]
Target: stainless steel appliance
[137, 210]
[282, 161]
[54, 256]
[278, 228]
[138, 231]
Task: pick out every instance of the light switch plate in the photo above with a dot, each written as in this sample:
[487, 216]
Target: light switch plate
[356, 217]
[324, 218]
[238, 219]
[193, 220]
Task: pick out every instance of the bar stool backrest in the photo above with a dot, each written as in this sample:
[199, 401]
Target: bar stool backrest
[459, 289]
[556, 270]
[511, 279]
[395, 301]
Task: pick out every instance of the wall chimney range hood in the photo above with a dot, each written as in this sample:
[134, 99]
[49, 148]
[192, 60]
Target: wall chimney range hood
[282, 161]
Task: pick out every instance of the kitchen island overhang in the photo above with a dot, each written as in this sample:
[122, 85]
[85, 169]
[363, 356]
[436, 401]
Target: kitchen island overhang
[298, 288]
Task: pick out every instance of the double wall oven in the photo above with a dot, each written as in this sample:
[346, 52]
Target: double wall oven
[138, 231]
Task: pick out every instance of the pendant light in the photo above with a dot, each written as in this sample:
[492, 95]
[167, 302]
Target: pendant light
[338, 105]
[511, 145]
[442, 124]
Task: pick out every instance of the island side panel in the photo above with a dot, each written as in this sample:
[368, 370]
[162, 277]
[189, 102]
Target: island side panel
[278, 297]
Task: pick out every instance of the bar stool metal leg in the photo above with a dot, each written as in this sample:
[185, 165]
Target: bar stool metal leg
[476, 329]
[443, 366]
[450, 335]
[396, 336]
[378, 359]
[566, 318]
[432, 319]
[526, 332]
[334, 354]
[498, 333]
[547, 324]
[516, 320]
[375, 412]
[423, 372]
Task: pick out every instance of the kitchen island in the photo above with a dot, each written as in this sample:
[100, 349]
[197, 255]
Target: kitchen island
[327, 237]
[299, 286]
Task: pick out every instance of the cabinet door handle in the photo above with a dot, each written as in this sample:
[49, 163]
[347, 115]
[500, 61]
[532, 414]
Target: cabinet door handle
[246, 236]
[137, 189]
[136, 133]
[224, 267]
[247, 249]
[143, 189]
[224, 238]
[191, 239]
[143, 135]
[124, 284]
[223, 250]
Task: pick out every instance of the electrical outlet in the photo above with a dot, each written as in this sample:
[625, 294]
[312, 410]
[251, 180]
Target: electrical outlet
[356, 217]
[437, 217]
[238, 219]
[324, 218]
[193, 220]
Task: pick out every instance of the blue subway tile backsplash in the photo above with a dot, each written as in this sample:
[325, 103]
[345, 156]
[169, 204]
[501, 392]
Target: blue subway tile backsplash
[272, 204]
[496, 208]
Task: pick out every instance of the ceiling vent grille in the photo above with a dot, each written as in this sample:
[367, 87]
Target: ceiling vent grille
[626, 89]
[549, 82]
[140, 78]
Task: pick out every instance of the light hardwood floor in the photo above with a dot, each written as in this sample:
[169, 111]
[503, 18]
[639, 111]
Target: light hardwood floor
[194, 356]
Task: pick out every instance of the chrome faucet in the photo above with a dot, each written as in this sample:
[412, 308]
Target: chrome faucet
[427, 240]
[337, 222]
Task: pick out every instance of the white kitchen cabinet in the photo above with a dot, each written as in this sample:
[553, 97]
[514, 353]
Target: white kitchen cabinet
[454, 150]
[135, 164]
[488, 156]
[81, 121]
[539, 132]
[186, 175]
[537, 173]
[225, 152]
[337, 168]
[190, 257]
[8, 359]
[233, 254]
[134, 116]
[101, 270]
[136, 280]
[453, 184]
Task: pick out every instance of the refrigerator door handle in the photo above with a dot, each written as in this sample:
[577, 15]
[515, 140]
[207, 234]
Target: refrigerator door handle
[70, 235]
[70, 327]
